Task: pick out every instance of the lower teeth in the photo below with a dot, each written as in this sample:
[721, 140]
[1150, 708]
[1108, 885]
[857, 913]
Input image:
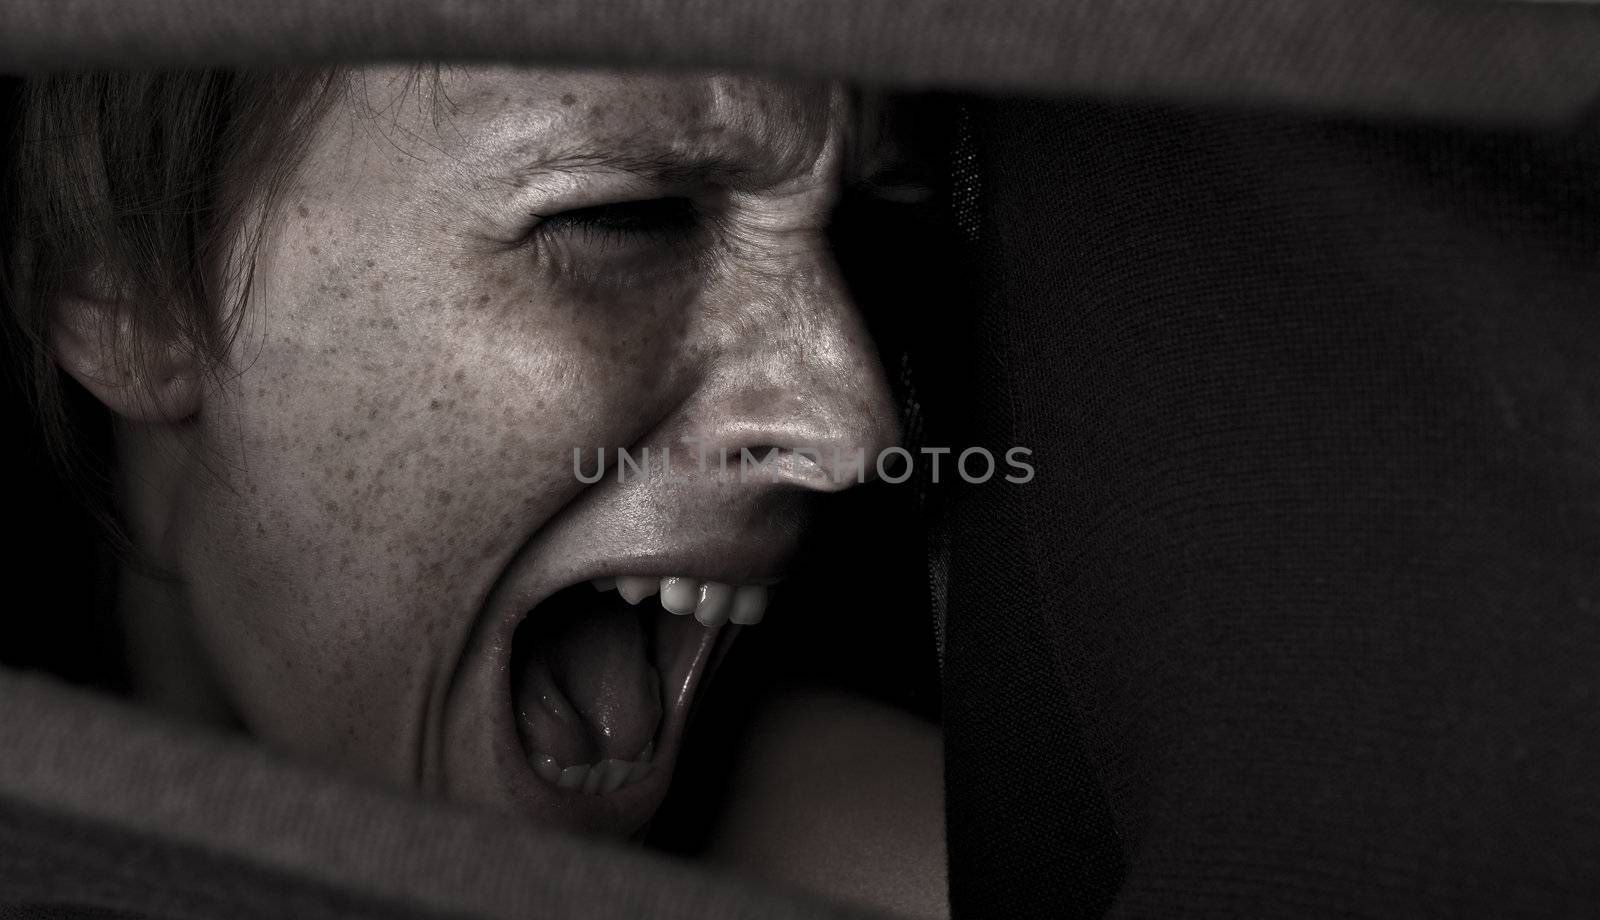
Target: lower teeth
[601, 778]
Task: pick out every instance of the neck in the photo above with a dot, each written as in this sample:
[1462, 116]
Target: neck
[168, 667]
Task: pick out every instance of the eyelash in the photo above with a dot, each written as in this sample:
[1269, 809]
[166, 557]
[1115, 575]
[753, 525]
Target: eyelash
[649, 244]
[645, 220]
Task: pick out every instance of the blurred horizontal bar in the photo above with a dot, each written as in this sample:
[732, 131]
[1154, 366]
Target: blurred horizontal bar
[1505, 61]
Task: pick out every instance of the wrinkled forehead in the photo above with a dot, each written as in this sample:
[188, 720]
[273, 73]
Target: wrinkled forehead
[761, 130]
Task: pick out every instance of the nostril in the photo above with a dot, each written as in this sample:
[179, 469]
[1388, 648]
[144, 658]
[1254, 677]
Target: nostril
[801, 465]
[828, 468]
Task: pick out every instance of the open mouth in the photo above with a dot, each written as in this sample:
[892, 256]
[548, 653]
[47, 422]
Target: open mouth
[605, 673]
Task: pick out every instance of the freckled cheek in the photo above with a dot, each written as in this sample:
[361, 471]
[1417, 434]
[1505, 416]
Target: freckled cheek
[388, 474]
[425, 427]
[363, 547]
[627, 349]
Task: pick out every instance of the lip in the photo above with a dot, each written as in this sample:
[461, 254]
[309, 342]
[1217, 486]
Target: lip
[737, 558]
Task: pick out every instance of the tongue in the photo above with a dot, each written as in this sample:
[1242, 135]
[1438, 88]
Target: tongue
[589, 691]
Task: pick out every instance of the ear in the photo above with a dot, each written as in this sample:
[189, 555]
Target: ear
[138, 374]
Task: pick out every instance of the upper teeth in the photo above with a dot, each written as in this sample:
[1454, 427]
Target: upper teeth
[712, 602]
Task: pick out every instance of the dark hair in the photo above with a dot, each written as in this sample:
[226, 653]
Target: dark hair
[144, 185]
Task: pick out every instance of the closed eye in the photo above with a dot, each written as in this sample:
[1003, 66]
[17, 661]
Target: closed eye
[663, 219]
[626, 245]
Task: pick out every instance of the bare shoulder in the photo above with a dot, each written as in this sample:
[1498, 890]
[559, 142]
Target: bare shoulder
[842, 796]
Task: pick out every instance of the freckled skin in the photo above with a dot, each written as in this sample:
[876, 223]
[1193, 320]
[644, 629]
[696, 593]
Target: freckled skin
[394, 429]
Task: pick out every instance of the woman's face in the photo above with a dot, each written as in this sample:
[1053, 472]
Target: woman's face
[468, 281]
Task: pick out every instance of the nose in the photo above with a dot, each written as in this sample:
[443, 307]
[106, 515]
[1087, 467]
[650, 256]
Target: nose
[795, 392]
